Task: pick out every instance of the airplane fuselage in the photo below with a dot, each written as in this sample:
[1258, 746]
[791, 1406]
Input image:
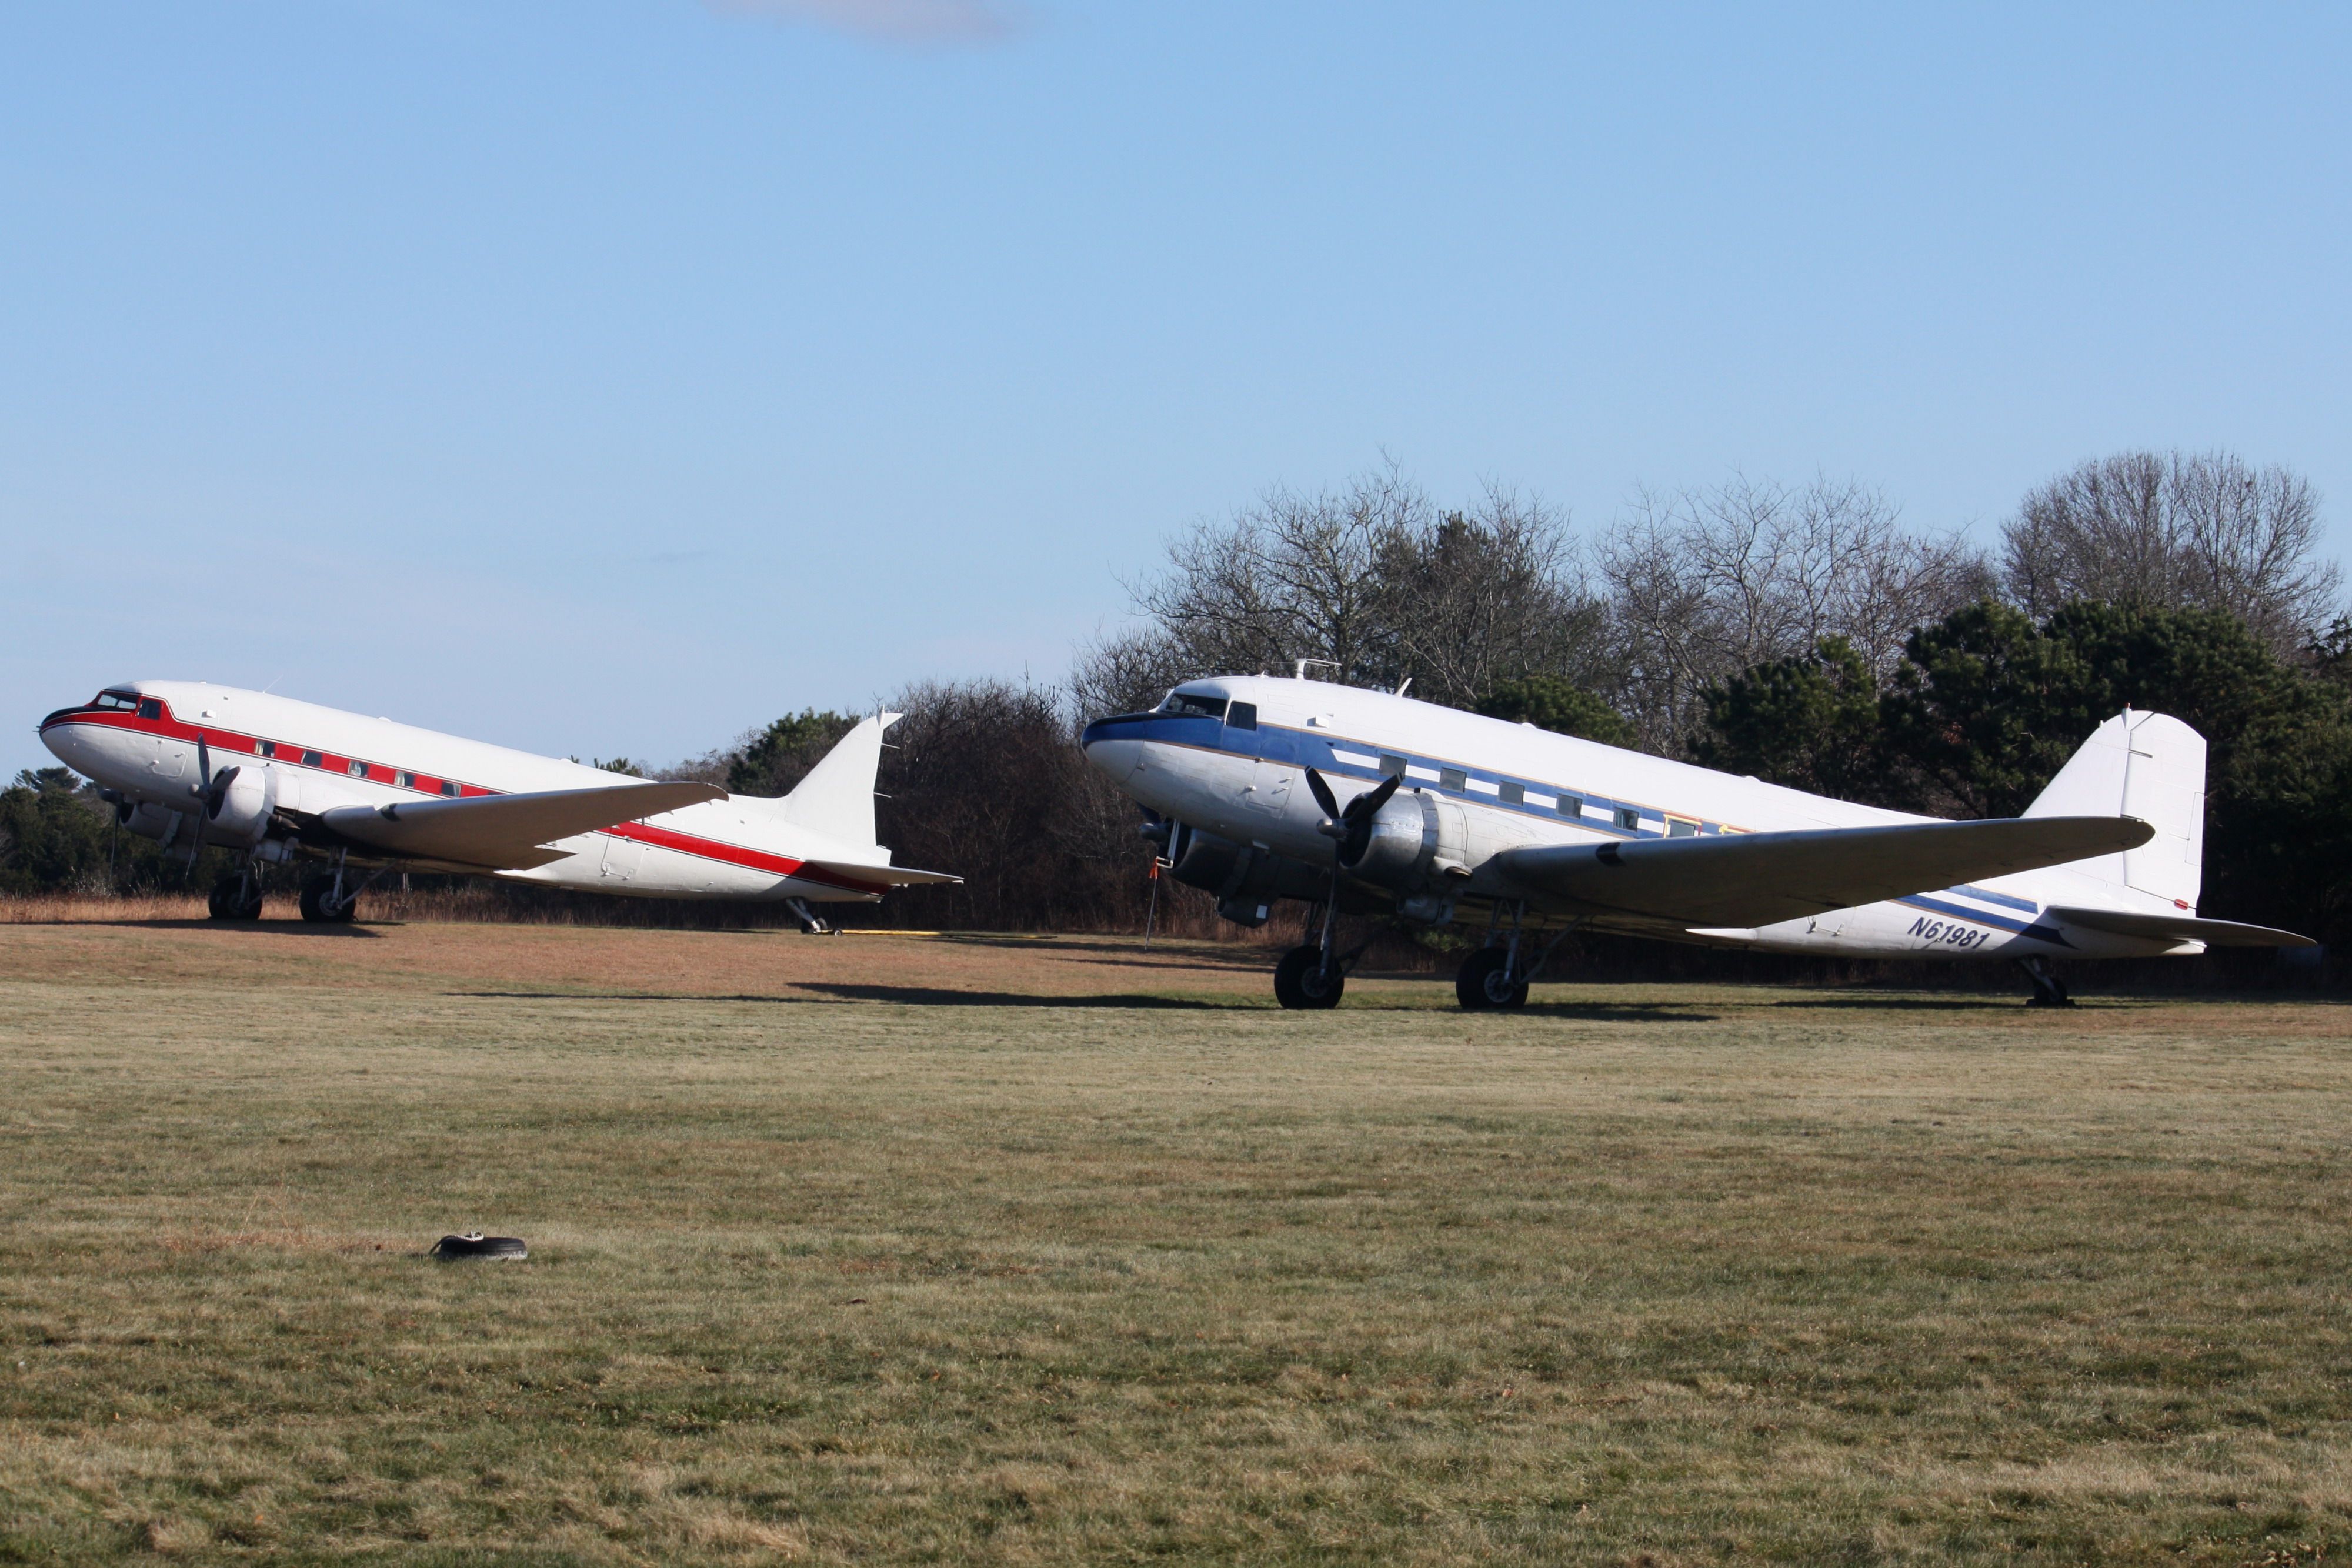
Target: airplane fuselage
[1234, 766]
[139, 741]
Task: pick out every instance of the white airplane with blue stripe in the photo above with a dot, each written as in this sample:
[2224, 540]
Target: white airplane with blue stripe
[1262, 788]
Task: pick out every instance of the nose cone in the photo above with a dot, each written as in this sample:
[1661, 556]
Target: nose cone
[1116, 745]
[68, 743]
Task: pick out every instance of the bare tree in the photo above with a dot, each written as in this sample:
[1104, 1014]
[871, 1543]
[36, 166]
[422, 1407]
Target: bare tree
[2178, 531]
[1372, 583]
[1494, 593]
[1292, 577]
[1703, 585]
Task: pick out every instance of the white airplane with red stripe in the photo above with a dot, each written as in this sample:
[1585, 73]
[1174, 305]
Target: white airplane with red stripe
[273, 779]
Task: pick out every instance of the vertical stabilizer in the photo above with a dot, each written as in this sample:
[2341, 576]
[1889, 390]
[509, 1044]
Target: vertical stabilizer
[2151, 766]
[837, 799]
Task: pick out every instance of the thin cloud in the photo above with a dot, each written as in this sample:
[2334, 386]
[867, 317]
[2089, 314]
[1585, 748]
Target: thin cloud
[893, 21]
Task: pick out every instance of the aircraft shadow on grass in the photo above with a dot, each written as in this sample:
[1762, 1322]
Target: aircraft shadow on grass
[829, 994]
[268, 928]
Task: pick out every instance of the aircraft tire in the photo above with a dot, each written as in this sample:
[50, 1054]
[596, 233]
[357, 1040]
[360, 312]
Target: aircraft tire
[235, 900]
[315, 893]
[1478, 987]
[1299, 983]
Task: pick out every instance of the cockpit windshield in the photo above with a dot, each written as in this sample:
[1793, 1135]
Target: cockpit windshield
[1193, 702]
[116, 701]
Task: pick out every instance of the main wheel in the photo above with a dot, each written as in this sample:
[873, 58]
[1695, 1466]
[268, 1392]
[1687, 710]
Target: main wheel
[315, 894]
[1482, 984]
[1300, 982]
[236, 897]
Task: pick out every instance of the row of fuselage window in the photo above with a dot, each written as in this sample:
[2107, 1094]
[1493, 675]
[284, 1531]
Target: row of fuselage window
[359, 770]
[1454, 781]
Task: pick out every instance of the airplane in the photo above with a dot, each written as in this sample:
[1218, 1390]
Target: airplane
[276, 781]
[1452, 818]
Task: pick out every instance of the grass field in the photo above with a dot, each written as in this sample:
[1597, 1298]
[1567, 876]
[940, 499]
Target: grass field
[889, 1249]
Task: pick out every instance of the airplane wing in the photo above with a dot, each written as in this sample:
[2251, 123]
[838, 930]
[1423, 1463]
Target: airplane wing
[507, 832]
[1757, 879]
[2181, 928]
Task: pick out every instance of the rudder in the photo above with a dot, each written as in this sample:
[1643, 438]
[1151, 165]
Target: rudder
[837, 798]
[2151, 766]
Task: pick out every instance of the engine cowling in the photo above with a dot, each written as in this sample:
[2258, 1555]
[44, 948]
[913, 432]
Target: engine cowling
[1247, 879]
[144, 818]
[1413, 839]
[240, 810]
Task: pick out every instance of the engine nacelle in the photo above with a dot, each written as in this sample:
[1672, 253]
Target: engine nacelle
[1414, 838]
[241, 813]
[1246, 879]
[147, 819]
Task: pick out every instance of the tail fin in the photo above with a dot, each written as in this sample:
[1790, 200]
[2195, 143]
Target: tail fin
[837, 798]
[2151, 766]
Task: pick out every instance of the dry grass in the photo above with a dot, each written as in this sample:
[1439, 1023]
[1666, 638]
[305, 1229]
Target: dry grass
[890, 1248]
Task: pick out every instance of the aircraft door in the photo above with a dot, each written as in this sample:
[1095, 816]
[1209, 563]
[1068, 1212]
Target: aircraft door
[1270, 784]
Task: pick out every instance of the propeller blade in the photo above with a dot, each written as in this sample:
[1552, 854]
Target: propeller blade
[217, 795]
[1372, 801]
[1323, 796]
[204, 766]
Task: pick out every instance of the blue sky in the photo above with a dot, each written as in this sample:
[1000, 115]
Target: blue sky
[610, 375]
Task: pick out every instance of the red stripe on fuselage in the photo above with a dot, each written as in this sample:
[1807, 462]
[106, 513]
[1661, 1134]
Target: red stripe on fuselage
[172, 728]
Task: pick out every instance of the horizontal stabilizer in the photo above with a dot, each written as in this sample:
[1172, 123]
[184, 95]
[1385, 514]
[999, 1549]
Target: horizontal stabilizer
[877, 876]
[2181, 928]
[507, 832]
[1743, 879]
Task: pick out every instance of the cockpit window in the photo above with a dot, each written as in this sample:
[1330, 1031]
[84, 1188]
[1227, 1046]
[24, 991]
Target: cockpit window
[1189, 702]
[117, 701]
[1242, 715]
[151, 708]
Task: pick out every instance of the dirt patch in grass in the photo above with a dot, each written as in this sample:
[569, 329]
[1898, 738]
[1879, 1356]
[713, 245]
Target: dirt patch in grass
[1018, 1250]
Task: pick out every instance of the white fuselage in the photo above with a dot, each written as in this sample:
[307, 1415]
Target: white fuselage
[1499, 785]
[321, 758]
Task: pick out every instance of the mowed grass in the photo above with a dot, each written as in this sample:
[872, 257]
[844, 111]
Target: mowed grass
[889, 1249]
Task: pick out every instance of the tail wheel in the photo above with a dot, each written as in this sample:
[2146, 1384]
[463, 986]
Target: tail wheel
[315, 892]
[1300, 985]
[1485, 983]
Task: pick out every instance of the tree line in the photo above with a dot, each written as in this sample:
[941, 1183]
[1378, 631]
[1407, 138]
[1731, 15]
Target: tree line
[1801, 633]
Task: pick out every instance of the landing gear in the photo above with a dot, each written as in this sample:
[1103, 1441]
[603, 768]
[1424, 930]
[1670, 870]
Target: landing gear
[238, 897]
[1487, 981]
[324, 899]
[2049, 991]
[1303, 982]
[812, 923]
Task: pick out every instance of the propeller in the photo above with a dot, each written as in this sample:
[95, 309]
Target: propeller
[214, 788]
[1352, 827]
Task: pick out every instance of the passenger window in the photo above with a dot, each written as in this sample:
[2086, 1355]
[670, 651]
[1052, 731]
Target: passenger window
[1242, 715]
[267, 748]
[405, 779]
[151, 708]
[1515, 795]
[1569, 805]
[1629, 819]
[449, 786]
[1393, 767]
[357, 770]
[1677, 828]
[311, 759]
[1453, 779]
